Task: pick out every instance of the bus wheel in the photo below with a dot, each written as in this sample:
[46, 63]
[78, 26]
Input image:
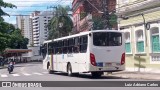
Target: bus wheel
[96, 74]
[69, 70]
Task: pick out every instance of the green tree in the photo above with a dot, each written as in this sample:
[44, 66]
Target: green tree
[113, 19]
[5, 5]
[98, 23]
[5, 31]
[61, 24]
[17, 41]
[3, 41]
[5, 28]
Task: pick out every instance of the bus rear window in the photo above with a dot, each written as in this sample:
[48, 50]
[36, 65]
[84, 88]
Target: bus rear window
[107, 39]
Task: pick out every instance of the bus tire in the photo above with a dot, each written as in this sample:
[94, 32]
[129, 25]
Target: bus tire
[96, 74]
[69, 70]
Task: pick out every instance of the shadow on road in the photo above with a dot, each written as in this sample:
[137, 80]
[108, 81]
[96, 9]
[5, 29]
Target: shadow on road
[87, 76]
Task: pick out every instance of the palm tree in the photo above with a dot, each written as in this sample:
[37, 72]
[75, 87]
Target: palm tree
[61, 24]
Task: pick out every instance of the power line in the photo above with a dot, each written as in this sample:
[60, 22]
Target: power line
[40, 1]
[22, 11]
[30, 15]
[31, 6]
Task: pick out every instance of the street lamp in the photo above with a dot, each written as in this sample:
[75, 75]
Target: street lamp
[146, 25]
[144, 22]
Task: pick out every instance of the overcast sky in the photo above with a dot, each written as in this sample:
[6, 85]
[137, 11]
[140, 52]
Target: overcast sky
[25, 7]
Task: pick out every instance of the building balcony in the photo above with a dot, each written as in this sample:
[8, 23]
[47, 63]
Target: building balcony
[35, 17]
[36, 27]
[35, 20]
[35, 33]
[76, 4]
[36, 43]
[35, 36]
[86, 23]
[137, 6]
[36, 39]
[35, 30]
[35, 24]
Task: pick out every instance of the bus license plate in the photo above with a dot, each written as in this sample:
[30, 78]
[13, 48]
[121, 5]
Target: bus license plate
[108, 64]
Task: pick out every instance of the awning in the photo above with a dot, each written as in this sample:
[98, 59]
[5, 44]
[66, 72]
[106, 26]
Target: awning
[17, 50]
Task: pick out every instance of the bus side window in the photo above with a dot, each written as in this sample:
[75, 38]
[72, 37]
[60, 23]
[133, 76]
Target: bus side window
[49, 48]
[65, 46]
[83, 43]
[60, 44]
[53, 47]
[56, 47]
[70, 46]
[44, 50]
[76, 45]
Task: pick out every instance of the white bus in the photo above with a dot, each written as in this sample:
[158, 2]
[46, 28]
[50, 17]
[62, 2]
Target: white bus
[92, 52]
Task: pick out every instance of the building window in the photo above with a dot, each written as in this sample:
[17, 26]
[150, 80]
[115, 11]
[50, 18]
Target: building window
[155, 59]
[83, 43]
[155, 40]
[140, 41]
[127, 42]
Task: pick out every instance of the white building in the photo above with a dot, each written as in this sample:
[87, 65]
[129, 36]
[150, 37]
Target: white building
[24, 23]
[40, 31]
[34, 28]
[34, 55]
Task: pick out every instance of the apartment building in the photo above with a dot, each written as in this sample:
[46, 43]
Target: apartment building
[140, 20]
[34, 27]
[24, 23]
[40, 21]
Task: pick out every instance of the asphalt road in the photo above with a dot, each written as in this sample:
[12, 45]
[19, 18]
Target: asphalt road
[34, 72]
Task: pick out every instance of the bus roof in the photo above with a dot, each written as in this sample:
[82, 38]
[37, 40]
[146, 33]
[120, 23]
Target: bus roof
[47, 41]
[82, 33]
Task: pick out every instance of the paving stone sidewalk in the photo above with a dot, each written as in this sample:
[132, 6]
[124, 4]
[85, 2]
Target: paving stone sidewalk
[137, 75]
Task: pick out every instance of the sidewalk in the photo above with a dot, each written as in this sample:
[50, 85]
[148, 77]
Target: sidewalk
[137, 75]
[2, 67]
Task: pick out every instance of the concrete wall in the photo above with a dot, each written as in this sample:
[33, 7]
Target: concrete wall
[34, 55]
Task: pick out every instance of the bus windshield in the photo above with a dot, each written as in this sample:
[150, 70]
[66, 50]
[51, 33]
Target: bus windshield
[107, 39]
